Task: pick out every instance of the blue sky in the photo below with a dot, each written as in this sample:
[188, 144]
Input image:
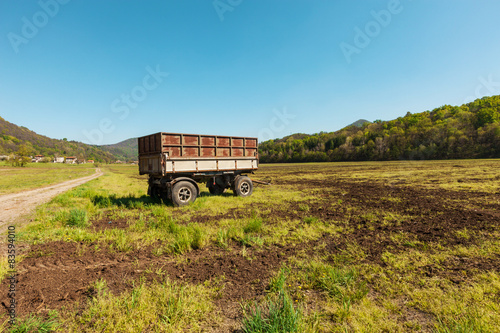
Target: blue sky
[104, 71]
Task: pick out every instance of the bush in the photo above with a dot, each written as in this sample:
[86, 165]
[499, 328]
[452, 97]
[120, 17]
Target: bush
[77, 218]
[19, 161]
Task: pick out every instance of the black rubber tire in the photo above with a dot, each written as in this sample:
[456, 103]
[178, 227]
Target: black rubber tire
[243, 186]
[183, 193]
[155, 192]
[215, 189]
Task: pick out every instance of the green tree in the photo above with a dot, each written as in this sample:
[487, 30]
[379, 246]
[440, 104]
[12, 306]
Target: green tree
[487, 116]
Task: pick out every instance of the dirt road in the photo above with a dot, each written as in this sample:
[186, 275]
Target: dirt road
[15, 207]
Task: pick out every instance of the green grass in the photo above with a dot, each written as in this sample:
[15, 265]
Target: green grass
[343, 284]
[253, 226]
[277, 313]
[37, 175]
[164, 307]
[34, 323]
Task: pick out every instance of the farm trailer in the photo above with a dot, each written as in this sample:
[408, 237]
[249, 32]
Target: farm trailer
[175, 164]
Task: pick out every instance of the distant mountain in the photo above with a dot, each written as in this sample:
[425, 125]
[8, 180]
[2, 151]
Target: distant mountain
[125, 150]
[12, 137]
[359, 123]
[448, 132]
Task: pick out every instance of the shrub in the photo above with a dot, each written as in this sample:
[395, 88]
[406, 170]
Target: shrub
[77, 218]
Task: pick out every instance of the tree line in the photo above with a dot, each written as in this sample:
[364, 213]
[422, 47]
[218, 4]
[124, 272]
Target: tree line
[448, 132]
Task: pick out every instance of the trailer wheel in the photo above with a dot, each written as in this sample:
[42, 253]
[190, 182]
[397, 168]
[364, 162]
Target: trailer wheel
[183, 193]
[215, 189]
[243, 186]
[154, 192]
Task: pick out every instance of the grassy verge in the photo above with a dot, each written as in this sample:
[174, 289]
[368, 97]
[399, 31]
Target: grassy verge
[36, 175]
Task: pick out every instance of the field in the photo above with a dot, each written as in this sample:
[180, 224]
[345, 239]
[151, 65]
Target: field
[333, 247]
[34, 175]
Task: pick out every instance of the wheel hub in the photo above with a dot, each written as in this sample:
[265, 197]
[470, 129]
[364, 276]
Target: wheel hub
[184, 194]
[244, 188]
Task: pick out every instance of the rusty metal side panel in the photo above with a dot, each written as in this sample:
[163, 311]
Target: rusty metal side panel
[207, 140]
[150, 144]
[251, 152]
[173, 151]
[223, 141]
[223, 152]
[207, 151]
[189, 146]
[146, 145]
[140, 145]
[190, 152]
[171, 139]
[251, 142]
[158, 144]
[190, 140]
[237, 152]
[237, 143]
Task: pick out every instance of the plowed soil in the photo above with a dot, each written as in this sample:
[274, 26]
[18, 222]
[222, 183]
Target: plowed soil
[59, 273]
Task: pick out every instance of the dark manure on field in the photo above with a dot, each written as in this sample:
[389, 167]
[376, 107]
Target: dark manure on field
[58, 274]
[429, 215]
[461, 269]
[110, 222]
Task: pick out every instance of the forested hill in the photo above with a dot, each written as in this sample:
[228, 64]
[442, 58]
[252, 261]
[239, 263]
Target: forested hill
[468, 131]
[125, 150]
[13, 137]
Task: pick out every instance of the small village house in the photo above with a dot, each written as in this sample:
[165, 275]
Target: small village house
[59, 160]
[38, 158]
[71, 159]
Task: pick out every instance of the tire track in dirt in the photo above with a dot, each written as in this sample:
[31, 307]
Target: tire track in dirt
[15, 207]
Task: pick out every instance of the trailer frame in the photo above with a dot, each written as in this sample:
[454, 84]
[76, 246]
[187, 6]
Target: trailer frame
[176, 163]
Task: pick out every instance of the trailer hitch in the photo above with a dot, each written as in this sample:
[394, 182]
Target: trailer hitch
[260, 182]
